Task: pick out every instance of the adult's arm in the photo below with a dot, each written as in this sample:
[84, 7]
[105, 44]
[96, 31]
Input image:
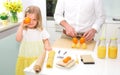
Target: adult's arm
[100, 15]
[60, 20]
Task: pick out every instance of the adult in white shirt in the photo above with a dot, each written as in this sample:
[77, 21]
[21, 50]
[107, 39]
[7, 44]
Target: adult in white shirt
[80, 16]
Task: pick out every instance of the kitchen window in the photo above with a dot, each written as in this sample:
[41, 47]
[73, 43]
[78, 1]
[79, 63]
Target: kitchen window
[50, 4]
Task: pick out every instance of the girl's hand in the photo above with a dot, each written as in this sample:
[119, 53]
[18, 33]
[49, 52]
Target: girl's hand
[48, 48]
[22, 24]
[47, 45]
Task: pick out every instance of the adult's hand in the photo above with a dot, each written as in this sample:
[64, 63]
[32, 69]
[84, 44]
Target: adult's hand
[70, 31]
[89, 35]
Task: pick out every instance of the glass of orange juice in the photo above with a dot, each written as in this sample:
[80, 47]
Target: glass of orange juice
[112, 52]
[101, 52]
[113, 49]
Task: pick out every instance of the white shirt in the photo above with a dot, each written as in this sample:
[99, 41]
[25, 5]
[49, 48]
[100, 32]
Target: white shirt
[81, 14]
[35, 35]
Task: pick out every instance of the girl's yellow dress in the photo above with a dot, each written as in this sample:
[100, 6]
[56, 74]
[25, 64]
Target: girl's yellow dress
[31, 47]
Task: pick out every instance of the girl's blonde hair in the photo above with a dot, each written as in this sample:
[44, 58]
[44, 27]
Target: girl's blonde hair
[35, 10]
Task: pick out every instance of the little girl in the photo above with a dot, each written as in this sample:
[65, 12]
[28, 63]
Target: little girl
[33, 38]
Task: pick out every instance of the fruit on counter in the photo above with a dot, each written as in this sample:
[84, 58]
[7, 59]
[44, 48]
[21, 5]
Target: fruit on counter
[84, 46]
[82, 40]
[78, 45]
[73, 45]
[75, 40]
[27, 20]
[68, 58]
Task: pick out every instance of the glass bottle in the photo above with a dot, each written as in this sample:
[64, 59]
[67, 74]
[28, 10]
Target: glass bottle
[101, 52]
[112, 48]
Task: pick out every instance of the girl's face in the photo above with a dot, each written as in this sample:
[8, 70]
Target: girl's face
[33, 22]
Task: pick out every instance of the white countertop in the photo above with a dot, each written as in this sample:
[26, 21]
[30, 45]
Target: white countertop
[9, 25]
[4, 27]
[105, 66]
[109, 20]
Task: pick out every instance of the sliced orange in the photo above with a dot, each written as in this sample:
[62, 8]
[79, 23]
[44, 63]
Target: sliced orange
[65, 60]
[75, 40]
[84, 46]
[73, 45]
[82, 40]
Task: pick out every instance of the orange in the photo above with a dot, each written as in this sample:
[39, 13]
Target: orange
[27, 20]
[84, 46]
[74, 45]
[65, 60]
[78, 45]
[75, 40]
[82, 40]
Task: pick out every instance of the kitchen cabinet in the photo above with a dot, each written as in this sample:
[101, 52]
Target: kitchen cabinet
[9, 49]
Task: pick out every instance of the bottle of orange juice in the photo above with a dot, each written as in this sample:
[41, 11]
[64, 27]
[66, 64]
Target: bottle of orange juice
[112, 48]
[101, 52]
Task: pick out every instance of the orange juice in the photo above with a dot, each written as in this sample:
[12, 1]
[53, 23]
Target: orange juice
[101, 52]
[112, 52]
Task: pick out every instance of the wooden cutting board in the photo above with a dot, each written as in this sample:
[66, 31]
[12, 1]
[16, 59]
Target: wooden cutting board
[66, 43]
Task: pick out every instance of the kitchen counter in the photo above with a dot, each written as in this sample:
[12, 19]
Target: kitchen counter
[5, 27]
[111, 21]
[105, 66]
